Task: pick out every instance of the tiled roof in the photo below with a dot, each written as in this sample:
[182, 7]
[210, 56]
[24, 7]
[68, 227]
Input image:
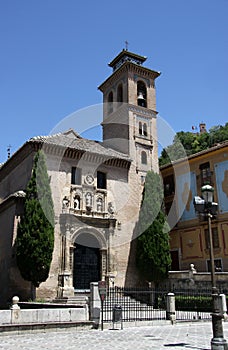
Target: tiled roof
[77, 143]
[216, 147]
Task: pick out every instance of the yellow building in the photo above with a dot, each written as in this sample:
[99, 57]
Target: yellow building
[189, 240]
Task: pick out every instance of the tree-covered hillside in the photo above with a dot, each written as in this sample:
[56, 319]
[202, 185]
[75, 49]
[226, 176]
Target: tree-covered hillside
[187, 143]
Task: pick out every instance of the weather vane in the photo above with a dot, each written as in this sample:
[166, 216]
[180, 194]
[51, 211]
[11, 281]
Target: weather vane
[126, 45]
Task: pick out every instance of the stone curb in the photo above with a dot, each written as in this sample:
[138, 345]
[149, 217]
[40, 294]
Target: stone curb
[43, 327]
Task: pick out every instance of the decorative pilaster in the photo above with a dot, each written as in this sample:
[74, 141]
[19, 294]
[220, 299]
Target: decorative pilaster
[103, 263]
[66, 288]
[110, 276]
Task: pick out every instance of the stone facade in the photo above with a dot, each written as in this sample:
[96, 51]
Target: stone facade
[96, 189]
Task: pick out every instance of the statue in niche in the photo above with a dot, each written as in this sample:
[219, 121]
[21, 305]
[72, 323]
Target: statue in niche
[99, 204]
[88, 201]
[77, 202]
[110, 208]
[65, 203]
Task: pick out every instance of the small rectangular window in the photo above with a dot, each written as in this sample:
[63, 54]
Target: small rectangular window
[101, 180]
[169, 185]
[205, 173]
[140, 128]
[217, 263]
[145, 129]
[215, 238]
[76, 176]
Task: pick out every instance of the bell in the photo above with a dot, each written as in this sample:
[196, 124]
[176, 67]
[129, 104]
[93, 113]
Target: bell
[140, 96]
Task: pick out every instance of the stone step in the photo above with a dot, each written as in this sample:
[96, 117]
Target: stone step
[109, 301]
[77, 299]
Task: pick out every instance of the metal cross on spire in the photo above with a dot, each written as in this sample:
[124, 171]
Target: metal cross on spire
[126, 45]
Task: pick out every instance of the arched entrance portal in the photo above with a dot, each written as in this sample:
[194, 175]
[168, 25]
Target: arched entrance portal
[87, 261]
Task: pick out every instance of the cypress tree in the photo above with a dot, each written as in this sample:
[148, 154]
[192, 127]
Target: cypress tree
[35, 233]
[152, 250]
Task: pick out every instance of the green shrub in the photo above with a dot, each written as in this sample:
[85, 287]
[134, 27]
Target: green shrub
[193, 303]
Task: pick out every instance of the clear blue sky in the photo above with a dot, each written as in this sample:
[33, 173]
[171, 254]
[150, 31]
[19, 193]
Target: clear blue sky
[54, 54]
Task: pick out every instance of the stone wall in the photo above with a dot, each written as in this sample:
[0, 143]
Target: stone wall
[27, 316]
[191, 279]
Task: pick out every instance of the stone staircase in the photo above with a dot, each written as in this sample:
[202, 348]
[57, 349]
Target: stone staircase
[80, 299]
[132, 309]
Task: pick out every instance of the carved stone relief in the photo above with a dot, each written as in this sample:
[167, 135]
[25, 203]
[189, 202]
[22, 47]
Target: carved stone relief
[89, 179]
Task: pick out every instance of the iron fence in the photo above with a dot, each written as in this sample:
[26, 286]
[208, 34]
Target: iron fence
[136, 304]
[139, 304]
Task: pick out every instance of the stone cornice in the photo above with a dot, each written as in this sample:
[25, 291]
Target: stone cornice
[129, 67]
[33, 146]
[145, 112]
[90, 221]
[10, 200]
[96, 158]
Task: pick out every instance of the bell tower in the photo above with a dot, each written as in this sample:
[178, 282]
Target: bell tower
[129, 110]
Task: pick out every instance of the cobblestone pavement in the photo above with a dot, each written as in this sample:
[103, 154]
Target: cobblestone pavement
[195, 335]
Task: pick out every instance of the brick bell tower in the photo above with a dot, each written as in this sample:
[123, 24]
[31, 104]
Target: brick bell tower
[129, 110]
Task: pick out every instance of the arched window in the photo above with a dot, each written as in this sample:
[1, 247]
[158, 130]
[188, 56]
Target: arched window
[143, 157]
[145, 129]
[140, 128]
[110, 102]
[101, 180]
[120, 94]
[141, 94]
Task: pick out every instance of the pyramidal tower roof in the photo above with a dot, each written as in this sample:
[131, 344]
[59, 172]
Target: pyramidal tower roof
[124, 56]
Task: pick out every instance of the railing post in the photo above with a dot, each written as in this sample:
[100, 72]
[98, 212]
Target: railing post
[95, 304]
[223, 306]
[15, 310]
[170, 307]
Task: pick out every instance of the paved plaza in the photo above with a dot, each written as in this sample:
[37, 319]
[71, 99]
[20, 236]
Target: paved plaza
[195, 335]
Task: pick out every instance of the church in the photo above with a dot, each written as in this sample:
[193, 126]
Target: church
[96, 189]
